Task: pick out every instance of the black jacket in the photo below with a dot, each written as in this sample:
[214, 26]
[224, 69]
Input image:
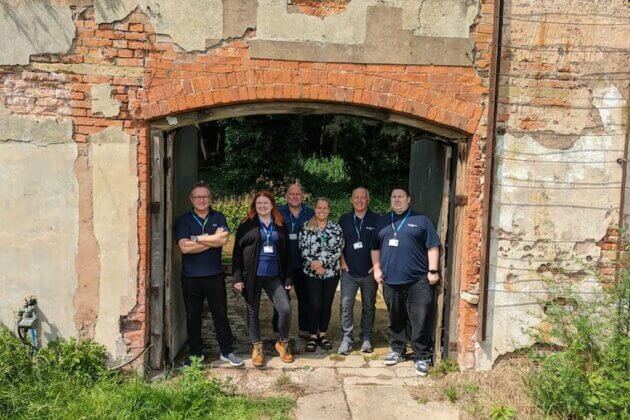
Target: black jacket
[246, 251]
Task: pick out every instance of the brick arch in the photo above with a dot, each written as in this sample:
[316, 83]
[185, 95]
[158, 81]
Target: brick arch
[182, 82]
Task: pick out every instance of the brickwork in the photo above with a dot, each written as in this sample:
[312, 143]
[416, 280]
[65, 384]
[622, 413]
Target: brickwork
[151, 77]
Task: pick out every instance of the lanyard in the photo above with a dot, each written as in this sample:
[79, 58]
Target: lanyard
[358, 231]
[269, 232]
[402, 222]
[323, 236]
[198, 220]
[293, 220]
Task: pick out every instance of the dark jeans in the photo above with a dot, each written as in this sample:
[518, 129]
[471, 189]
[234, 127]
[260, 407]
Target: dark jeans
[299, 285]
[410, 303]
[349, 287]
[321, 293]
[277, 293]
[212, 288]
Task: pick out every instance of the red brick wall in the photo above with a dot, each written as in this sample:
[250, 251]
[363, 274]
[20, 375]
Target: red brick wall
[171, 81]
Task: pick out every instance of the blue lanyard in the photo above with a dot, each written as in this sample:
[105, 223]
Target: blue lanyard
[293, 220]
[402, 222]
[269, 232]
[205, 222]
[358, 231]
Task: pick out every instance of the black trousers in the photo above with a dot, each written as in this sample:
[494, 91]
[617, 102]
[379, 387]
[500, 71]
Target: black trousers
[410, 304]
[211, 288]
[321, 293]
[299, 285]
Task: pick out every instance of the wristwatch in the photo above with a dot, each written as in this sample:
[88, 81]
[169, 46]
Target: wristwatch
[194, 238]
[433, 271]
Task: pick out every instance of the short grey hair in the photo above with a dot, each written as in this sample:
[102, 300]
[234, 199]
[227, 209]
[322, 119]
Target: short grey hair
[367, 192]
[295, 184]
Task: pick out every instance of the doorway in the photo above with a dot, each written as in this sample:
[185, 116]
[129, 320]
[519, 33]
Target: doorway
[179, 143]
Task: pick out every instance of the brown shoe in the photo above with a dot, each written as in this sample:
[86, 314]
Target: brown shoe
[282, 347]
[258, 355]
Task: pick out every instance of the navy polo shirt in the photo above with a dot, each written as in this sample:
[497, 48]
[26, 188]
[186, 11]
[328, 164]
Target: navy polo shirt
[268, 263]
[408, 262]
[359, 260]
[206, 263]
[295, 226]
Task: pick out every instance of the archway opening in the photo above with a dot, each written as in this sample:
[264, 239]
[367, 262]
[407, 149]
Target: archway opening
[329, 153]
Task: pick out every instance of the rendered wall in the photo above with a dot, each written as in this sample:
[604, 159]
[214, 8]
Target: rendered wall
[121, 63]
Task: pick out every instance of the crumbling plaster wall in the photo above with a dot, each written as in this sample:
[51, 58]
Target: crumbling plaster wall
[112, 159]
[96, 63]
[562, 128]
[38, 220]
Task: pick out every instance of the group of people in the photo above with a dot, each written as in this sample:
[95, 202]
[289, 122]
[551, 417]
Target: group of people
[293, 246]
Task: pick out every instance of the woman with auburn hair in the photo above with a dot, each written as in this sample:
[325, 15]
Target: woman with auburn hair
[321, 242]
[261, 260]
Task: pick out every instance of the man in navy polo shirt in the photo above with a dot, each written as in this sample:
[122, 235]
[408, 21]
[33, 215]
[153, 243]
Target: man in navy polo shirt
[295, 213]
[358, 227]
[405, 254]
[200, 235]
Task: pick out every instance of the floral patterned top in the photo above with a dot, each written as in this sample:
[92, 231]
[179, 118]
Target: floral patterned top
[322, 245]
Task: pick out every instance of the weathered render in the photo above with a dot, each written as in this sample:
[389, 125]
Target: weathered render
[34, 27]
[38, 220]
[112, 158]
[559, 164]
[81, 81]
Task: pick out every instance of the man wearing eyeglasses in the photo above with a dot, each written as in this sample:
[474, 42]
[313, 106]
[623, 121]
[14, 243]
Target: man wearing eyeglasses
[200, 235]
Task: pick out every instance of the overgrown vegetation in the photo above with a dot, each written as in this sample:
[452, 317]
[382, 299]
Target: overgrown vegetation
[69, 379]
[589, 376]
[329, 155]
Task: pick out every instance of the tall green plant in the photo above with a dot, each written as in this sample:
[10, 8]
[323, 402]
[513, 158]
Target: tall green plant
[589, 376]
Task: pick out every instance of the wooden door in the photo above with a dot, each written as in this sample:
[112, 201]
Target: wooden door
[183, 171]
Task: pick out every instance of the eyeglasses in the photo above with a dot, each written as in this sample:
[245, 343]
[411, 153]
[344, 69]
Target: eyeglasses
[201, 197]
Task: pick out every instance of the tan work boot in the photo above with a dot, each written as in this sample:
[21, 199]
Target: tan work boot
[282, 347]
[258, 355]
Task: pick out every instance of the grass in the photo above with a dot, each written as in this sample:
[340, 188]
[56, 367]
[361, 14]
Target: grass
[70, 380]
[501, 391]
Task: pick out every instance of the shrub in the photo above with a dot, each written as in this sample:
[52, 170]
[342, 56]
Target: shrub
[588, 377]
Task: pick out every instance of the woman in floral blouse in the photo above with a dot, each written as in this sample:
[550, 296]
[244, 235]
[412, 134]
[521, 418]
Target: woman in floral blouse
[321, 242]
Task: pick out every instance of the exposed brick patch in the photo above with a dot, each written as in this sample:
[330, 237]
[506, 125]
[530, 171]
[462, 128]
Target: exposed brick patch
[319, 8]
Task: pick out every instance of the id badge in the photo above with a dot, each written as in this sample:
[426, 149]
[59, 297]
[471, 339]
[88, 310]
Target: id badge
[393, 242]
[357, 245]
[293, 236]
[268, 249]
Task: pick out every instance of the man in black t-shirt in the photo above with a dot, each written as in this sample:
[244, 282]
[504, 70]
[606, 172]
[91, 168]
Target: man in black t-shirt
[358, 226]
[200, 235]
[405, 254]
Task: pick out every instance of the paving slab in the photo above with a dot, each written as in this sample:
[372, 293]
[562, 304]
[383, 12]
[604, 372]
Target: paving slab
[350, 361]
[314, 380]
[371, 381]
[392, 403]
[368, 372]
[323, 406]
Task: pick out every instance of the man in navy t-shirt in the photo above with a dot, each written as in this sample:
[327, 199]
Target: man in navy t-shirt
[405, 254]
[200, 235]
[295, 213]
[358, 227]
